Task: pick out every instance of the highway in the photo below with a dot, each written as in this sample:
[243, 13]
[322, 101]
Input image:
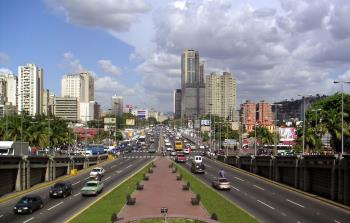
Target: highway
[269, 202]
[60, 209]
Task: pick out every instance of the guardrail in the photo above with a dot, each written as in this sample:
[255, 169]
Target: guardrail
[326, 176]
[22, 172]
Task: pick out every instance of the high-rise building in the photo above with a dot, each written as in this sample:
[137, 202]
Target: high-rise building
[248, 110]
[117, 105]
[86, 111]
[177, 103]
[66, 108]
[265, 115]
[192, 85]
[8, 89]
[79, 85]
[30, 89]
[220, 95]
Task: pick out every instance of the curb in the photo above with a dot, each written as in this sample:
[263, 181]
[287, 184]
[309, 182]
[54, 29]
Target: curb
[108, 192]
[289, 188]
[225, 198]
[49, 183]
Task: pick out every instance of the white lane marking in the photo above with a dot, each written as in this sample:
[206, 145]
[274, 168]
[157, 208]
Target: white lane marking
[118, 171]
[76, 194]
[337, 221]
[28, 220]
[235, 188]
[1, 216]
[295, 203]
[113, 166]
[76, 182]
[266, 204]
[283, 214]
[87, 178]
[239, 179]
[106, 178]
[128, 166]
[55, 206]
[258, 187]
[207, 165]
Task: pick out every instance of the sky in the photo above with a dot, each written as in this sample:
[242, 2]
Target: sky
[276, 49]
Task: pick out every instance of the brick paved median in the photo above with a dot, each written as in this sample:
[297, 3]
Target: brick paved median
[162, 190]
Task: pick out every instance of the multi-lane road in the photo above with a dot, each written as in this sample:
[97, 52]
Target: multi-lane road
[269, 202]
[59, 209]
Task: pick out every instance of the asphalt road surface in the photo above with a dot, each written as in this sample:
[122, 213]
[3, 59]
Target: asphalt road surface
[61, 209]
[271, 203]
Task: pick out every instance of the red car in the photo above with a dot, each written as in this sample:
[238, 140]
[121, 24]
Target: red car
[180, 158]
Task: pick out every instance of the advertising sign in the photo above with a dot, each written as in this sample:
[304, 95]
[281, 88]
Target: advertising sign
[130, 121]
[205, 122]
[287, 134]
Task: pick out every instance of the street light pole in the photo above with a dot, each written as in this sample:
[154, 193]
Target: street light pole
[255, 141]
[304, 96]
[276, 130]
[342, 112]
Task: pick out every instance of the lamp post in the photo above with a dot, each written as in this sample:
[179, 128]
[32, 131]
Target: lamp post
[210, 141]
[316, 111]
[342, 112]
[304, 96]
[276, 131]
[255, 140]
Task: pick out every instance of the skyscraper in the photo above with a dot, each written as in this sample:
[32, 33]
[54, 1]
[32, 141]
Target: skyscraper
[30, 89]
[8, 89]
[177, 103]
[248, 111]
[192, 85]
[80, 86]
[220, 95]
[117, 105]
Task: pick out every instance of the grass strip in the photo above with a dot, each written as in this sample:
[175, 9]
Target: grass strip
[215, 203]
[113, 202]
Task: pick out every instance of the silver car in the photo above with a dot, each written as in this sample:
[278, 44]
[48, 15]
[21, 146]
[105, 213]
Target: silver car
[221, 183]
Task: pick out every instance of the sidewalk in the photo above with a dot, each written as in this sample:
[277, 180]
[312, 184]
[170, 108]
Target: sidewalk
[163, 190]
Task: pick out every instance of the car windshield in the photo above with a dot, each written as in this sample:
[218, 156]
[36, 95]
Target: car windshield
[222, 180]
[25, 200]
[59, 185]
[91, 184]
[96, 170]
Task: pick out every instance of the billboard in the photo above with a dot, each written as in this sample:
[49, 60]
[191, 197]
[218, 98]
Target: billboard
[205, 122]
[287, 134]
[130, 122]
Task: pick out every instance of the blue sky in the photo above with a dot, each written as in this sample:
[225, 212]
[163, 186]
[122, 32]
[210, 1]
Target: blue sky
[276, 49]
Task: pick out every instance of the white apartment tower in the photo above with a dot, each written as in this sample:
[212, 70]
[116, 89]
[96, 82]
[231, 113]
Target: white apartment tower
[220, 95]
[30, 89]
[117, 105]
[80, 86]
[8, 89]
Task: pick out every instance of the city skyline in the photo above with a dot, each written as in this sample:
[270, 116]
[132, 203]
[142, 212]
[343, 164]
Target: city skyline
[276, 49]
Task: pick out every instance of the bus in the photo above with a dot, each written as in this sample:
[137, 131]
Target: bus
[179, 146]
[282, 150]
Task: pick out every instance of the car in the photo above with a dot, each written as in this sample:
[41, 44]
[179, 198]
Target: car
[61, 189]
[197, 167]
[221, 183]
[28, 204]
[180, 158]
[97, 171]
[169, 149]
[173, 153]
[151, 150]
[201, 147]
[186, 151]
[92, 187]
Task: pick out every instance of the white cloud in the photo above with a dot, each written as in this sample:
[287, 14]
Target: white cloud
[4, 70]
[114, 15]
[4, 58]
[276, 49]
[108, 67]
[72, 63]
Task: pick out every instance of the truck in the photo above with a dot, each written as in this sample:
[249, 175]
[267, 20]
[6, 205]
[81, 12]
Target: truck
[179, 146]
[95, 149]
[11, 148]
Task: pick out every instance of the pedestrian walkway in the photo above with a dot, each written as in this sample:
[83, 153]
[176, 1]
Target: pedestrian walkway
[163, 190]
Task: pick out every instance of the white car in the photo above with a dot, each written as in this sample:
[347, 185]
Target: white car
[186, 151]
[97, 171]
[169, 149]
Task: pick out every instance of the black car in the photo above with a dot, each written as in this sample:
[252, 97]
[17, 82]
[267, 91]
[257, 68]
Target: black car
[61, 189]
[28, 204]
[197, 168]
